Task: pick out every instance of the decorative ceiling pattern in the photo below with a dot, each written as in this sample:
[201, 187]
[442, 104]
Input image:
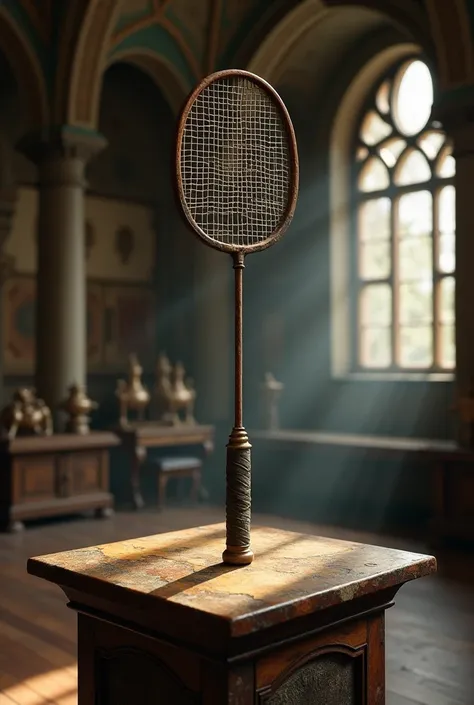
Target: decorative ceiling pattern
[136, 7]
[191, 20]
[235, 20]
[40, 13]
[195, 37]
[202, 29]
[135, 15]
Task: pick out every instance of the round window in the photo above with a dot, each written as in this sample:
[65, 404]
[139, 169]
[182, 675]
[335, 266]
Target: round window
[412, 98]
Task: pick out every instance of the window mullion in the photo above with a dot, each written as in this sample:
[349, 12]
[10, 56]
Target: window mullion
[436, 280]
[394, 274]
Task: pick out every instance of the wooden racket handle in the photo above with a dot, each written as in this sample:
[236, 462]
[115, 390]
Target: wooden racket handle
[238, 499]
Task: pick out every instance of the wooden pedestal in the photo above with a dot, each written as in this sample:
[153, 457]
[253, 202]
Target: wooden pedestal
[43, 476]
[161, 619]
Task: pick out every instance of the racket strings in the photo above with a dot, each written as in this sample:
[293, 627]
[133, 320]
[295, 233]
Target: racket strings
[235, 163]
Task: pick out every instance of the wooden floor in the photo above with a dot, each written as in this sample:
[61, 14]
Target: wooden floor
[430, 631]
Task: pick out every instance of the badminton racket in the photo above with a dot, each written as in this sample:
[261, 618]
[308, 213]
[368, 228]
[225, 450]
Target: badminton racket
[237, 181]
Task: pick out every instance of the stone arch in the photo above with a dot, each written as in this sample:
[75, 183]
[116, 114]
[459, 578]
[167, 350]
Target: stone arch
[91, 59]
[339, 190]
[304, 50]
[92, 47]
[168, 79]
[314, 42]
[278, 43]
[307, 16]
[27, 70]
[442, 29]
[450, 27]
[405, 13]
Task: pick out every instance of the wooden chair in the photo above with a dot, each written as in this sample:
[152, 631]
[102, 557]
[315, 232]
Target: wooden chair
[178, 467]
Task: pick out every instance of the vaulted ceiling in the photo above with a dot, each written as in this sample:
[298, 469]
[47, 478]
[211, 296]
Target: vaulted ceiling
[67, 44]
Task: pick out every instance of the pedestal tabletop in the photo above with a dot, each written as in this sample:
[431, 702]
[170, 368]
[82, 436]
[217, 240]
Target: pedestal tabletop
[176, 581]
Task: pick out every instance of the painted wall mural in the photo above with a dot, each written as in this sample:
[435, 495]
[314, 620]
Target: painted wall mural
[120, 237]
[120, 320]
[95, 325]
[130, 325]
[120, 262]
[19, 296]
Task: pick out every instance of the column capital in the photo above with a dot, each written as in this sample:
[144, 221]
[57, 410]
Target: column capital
[63, 141]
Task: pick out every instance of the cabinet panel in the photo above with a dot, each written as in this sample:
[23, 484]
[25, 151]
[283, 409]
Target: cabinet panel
[52, 475]
[331, 679]
[34, 478]
[323, 670]
[84, 472]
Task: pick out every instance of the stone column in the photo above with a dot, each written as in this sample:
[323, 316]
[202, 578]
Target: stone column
[7, 266]
[61, 357]
[458, 121]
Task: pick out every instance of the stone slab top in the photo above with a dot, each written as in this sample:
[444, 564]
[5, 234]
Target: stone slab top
[292, 575]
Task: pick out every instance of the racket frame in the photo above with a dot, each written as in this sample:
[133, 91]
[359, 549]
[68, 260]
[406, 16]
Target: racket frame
[287, 216]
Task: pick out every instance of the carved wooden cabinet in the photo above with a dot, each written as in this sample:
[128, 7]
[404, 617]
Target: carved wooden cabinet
[162, 620]
[50, 475]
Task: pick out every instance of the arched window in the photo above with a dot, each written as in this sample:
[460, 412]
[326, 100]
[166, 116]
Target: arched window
[404, 229]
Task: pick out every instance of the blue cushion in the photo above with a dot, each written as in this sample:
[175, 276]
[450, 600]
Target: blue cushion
[178, 463]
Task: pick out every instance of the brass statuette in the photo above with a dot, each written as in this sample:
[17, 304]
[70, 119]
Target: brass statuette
[78, 406]
[175, 396]
[26, 414]
[132, 395]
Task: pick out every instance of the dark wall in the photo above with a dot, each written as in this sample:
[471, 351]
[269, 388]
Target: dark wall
[136, 166]
[290, 285]
[138, 124]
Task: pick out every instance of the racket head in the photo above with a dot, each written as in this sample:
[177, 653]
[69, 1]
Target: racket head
[187, 147]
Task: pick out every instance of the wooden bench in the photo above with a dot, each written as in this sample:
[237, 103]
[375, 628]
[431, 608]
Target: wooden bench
[138, 438]
[178, 467]
[451, 466]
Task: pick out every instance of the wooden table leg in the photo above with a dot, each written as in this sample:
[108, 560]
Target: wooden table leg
[104, 512]
[195, 485]
[12, 527]
[438, 521]
[162, 484]
[138, 458]
[438, 493]
[203, 492]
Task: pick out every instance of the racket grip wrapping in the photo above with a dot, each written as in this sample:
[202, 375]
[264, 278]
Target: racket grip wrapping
[238, 504]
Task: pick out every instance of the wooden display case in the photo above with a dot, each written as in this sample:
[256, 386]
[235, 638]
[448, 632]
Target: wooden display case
[43, 476]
